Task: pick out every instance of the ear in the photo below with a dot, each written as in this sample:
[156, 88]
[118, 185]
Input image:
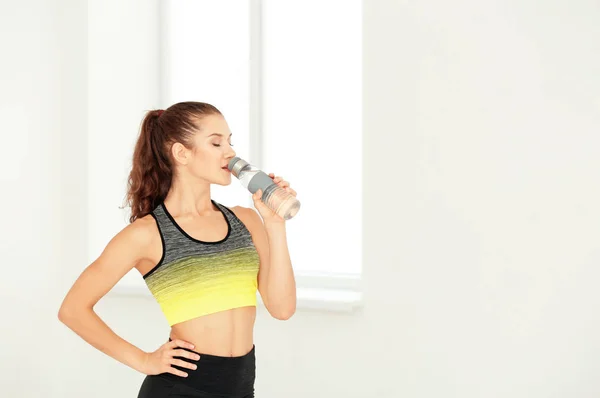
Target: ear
[180, 153]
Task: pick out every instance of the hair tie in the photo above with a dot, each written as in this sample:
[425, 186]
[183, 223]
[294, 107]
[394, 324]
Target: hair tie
[160, 112]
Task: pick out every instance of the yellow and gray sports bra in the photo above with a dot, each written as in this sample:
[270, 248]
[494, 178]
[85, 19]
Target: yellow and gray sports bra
[194, 277]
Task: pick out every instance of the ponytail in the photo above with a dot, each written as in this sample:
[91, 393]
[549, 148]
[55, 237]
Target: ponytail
[150, 176]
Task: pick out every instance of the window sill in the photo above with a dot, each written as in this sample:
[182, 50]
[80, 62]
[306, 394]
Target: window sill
[326, 300]
[328, 292]
[331, 293]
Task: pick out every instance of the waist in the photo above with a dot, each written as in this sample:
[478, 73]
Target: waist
[227, 333]
[222, 375]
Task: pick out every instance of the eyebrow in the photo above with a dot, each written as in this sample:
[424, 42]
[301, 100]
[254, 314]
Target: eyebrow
[219, 134]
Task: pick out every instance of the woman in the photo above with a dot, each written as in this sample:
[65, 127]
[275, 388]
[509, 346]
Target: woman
[202, 261]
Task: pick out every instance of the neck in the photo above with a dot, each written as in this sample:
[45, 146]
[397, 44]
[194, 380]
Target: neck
[191, 199]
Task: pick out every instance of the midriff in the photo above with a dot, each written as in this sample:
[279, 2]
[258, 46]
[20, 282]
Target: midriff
[226, 333]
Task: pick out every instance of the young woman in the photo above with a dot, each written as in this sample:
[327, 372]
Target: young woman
[202, 261]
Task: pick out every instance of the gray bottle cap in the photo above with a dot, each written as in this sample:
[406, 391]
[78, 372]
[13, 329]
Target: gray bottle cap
[236, 164]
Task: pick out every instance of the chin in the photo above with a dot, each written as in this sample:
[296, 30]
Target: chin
[224, 182]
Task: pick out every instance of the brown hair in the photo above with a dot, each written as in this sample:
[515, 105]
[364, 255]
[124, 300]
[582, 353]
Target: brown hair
[152, 167]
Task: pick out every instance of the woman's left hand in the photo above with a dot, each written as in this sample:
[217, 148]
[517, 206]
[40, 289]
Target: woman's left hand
[268, 215]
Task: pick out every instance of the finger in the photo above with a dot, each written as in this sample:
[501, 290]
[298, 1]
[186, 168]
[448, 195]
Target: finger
[184, 364]
[284, 184]
[181, 343]
[186, 354]
[290, 190]
[176, 372]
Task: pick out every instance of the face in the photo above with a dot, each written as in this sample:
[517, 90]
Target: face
[211, 153]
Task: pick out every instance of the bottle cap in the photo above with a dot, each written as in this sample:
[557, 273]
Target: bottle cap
[236, 164]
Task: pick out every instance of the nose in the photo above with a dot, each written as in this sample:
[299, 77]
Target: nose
[231, 153]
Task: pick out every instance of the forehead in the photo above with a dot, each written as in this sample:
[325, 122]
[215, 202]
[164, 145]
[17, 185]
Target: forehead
[214, 126]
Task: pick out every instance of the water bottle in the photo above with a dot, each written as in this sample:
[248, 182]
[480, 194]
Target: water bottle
[276, 198]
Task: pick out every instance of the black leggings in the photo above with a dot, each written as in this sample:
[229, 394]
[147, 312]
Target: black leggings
[215, 377]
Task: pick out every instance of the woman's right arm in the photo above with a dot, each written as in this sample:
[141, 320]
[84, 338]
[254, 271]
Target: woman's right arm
[122, 253]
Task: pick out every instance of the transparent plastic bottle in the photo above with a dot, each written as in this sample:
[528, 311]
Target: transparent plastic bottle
[276, 198]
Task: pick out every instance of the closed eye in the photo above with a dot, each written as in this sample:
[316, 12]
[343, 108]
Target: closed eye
[218, 145]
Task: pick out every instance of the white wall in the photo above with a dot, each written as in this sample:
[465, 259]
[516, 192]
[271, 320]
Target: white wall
[480, 209]
[42, 94]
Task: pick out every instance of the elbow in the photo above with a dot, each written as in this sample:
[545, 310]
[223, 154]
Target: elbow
[67, 314]
[283, 314]
[280, 308]
[64, 314]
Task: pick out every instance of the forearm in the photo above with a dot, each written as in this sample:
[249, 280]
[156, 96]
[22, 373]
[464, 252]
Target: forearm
[88, 325]
[280, 281]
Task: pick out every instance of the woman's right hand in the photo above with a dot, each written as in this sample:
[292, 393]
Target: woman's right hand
[160, 361]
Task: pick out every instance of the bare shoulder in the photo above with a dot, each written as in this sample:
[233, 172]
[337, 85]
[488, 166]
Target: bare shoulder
[141, 232]
[134, 242]
[144, 225]
[248, 216]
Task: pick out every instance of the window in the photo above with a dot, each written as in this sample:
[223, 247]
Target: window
[312, 126]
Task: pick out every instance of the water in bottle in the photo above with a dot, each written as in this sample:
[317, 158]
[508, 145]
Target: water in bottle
[276, 198]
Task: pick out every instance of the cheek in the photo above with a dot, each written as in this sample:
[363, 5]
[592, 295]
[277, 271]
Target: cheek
[204, 162]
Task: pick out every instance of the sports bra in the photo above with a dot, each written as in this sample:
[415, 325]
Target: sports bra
[194, 277]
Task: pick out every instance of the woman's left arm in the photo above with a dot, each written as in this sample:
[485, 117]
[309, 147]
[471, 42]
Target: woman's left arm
[276, 281]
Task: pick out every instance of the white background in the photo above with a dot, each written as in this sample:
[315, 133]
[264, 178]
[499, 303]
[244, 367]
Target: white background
[480, 206]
